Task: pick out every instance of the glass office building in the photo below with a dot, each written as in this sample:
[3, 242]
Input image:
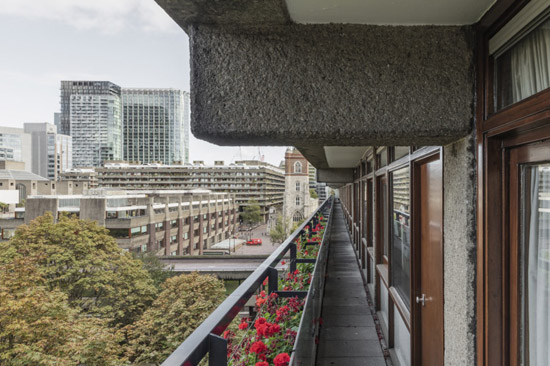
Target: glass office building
[156, 125]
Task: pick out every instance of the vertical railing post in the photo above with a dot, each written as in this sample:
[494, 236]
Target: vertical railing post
[273, 280]
[293, 253]
[217, 350]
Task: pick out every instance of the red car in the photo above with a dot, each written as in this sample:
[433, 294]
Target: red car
[254, 242]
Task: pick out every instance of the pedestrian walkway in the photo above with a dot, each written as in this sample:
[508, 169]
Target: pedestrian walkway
[348, 334]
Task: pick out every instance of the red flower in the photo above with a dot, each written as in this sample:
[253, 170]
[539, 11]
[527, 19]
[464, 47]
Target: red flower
[258, 347]
[265, 282]
[262, 330]
[243, 325]
[274, 329]
[262, 294]
[283, 263]
[260, 301]
[259, 321]
[226, 334]
[282, 359]
[262, 363]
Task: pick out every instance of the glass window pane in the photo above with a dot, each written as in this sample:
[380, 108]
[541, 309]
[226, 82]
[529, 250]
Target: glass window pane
[401, 233]
[400, 151]
[524, 69]
[535, 265]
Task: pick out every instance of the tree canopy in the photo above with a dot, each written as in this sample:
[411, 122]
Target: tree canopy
[280, 232]
[80, 259]
[38, 327]
[252, 213]
[180, 308]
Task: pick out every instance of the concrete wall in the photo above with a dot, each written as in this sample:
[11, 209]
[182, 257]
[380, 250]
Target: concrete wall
[93, 209]
[459, 251]
[38, 207]
[311, 85]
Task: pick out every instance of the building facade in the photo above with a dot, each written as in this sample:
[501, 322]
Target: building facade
[165, 223]
[91, 113]
[431, 119]
[246, 180]
[15, 145]
[298, 203]
[51, 152]
[77, 181]
[156, 125]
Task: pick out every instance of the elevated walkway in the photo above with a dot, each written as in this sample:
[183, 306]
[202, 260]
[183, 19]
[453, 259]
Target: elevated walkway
[348, 333]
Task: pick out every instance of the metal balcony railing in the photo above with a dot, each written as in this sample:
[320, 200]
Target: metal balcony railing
[206, 338]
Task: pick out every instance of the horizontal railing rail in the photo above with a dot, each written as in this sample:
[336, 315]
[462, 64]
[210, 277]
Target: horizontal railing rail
[206, 338]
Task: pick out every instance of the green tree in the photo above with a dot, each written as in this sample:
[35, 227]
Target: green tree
[80, 258]
[280, 232]
[156, 269]
[38, 327]
[185, 302]
[312, 193]
[252, 213]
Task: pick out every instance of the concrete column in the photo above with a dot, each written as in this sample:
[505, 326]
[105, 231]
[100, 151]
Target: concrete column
[167, 228]
[201, 224]
[152, 243]
[180, 225]
[217, 217]
[224, 197]
[191, 226]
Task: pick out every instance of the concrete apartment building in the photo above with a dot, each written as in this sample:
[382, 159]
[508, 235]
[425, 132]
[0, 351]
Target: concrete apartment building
[247, 180]
[431, 118]
[77, 181]
[155, 125]
[163, 222]
[52, 153]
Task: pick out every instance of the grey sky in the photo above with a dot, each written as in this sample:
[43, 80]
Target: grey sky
[132, 43]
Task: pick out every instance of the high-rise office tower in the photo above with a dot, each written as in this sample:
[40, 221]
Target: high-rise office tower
[51, 152]
[91, 113]
[15, 146]
[155, 125]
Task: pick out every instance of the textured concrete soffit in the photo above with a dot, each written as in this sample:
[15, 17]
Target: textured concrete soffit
[258, 79]
[313, 85]
[235, 12]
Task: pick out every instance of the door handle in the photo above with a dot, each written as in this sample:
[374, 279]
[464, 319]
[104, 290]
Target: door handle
[421, 300]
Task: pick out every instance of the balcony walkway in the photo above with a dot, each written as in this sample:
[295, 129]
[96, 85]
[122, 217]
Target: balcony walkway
[348, 333]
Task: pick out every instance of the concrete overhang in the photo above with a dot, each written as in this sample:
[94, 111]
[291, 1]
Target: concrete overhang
[260, 78]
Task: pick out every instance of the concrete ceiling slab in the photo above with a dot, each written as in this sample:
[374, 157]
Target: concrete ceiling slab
[388, 12]
[344, 156]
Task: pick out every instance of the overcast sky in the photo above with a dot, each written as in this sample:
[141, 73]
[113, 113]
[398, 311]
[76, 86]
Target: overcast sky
[132, 43]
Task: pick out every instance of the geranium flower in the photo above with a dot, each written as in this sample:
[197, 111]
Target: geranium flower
[243, 325]
[258, 347]
[259, 321]
[262, 363]
[260, 301]
[282, 359]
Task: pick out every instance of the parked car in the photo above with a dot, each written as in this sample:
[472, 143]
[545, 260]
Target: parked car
[254, 242]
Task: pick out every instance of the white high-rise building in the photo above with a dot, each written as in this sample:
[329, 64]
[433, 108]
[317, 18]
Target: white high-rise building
[156, 125]
[92, 112]
[51, 152]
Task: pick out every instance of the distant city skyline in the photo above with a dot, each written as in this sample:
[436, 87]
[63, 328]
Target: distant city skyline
[49, 41]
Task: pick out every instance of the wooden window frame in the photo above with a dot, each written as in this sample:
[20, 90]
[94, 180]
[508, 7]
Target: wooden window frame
[523, 122]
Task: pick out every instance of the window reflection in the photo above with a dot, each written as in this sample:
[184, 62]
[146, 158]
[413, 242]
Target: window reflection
[401, 233]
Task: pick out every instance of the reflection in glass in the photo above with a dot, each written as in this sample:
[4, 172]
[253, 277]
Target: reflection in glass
[524, 69]
[535, 265]
[401, 233]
